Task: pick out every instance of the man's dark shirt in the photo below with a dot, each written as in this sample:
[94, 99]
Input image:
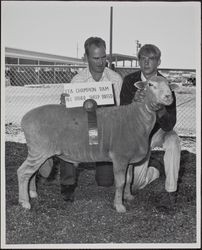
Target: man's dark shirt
[128, 90]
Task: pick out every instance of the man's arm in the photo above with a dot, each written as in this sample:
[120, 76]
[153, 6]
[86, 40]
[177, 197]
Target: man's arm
[117, 84]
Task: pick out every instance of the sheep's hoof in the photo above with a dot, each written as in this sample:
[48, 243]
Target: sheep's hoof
[25, 204]
[33, 194]
[120, 208]
[129, 197]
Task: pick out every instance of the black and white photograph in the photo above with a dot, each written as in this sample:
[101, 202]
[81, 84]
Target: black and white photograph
[100, 125]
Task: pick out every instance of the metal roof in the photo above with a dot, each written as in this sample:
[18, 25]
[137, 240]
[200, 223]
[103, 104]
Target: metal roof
[121, 57]
[33, 55]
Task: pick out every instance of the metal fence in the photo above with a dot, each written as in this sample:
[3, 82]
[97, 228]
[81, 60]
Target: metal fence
[29, 86]
[21, 75]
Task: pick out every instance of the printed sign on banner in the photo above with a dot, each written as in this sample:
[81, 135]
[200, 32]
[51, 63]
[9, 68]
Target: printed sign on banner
[101, 92]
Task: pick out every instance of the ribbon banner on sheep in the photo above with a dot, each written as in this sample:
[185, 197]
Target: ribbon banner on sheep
[89, 95]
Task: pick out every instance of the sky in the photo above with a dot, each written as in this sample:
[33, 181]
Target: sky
[60, 27]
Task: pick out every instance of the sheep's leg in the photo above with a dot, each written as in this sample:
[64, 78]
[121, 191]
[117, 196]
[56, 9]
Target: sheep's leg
[119, 177]
[32, 187]
[25, 171]
[127, 192]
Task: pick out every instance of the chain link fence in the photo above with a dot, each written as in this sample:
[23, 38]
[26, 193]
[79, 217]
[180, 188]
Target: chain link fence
[22, 75]
[30, 86]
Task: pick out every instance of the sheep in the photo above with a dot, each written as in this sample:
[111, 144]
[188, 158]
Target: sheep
[123, 136]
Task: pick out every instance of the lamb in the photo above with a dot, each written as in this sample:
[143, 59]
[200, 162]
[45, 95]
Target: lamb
[55, 130]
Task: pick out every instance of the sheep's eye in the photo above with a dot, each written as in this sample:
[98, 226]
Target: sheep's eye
[150, 84]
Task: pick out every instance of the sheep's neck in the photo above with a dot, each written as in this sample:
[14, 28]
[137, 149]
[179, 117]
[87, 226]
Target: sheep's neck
[147, 116]
[147, 112]
[148, 109]
[138, 117]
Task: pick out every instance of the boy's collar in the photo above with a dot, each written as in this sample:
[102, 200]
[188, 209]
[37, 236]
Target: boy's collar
[143, 77]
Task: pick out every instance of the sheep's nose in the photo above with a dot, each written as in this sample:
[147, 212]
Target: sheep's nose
[168, 98]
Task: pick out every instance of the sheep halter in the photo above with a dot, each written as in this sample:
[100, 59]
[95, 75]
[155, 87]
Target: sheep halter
[90, 107]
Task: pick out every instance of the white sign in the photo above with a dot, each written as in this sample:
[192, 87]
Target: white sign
[77, 93]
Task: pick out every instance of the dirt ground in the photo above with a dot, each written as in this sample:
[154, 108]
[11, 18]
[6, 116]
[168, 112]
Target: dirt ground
[91, 218]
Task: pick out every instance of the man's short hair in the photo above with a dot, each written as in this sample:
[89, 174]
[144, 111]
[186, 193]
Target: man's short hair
[149, 49]
[97, 41]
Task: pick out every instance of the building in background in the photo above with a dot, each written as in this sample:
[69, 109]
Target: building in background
[20, 56]
[24, 67]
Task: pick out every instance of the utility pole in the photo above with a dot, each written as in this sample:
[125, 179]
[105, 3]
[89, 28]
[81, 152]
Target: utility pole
[138, 45]
[111, 31]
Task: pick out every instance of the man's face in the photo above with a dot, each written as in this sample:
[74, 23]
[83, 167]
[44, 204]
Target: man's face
[96, 59]
[149, 64]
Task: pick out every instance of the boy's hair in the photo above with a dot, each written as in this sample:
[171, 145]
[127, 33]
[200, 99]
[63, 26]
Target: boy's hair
[149, 49]
[97, 41]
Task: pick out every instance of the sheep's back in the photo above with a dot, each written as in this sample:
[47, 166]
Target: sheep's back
[56, 128]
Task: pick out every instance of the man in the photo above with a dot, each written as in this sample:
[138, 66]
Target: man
[95, 51]
[149, 58]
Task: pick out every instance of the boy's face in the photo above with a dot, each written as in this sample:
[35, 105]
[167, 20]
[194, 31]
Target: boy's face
[149, 64]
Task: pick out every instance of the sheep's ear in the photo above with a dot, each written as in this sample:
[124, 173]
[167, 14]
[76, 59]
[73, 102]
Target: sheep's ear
[173, 86]
[140, 85]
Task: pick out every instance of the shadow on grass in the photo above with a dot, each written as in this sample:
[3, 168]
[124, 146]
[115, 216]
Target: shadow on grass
[91, 218]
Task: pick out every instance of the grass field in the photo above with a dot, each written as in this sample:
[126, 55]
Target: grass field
[91, 217]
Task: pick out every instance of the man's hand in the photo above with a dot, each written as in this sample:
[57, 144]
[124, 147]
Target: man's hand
[62, 98]
[139, 95]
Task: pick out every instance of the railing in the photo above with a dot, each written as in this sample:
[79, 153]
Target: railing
[29, 86]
